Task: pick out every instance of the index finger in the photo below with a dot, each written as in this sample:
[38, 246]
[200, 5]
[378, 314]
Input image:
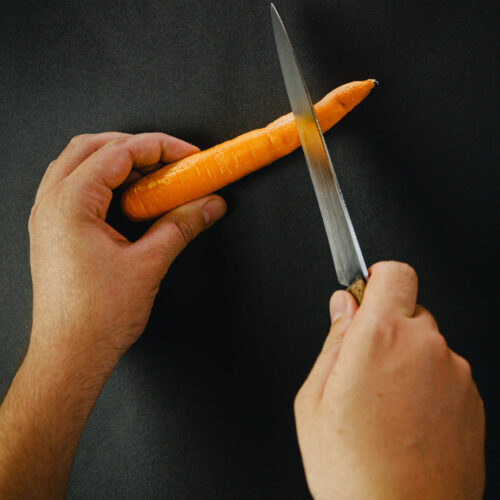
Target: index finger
[391, 289]
[78, 149]
[108, 167]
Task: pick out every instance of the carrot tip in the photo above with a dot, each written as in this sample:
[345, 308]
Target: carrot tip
[376, 82]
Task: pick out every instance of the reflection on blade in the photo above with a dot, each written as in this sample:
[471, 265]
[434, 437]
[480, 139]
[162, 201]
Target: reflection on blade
[347, 256]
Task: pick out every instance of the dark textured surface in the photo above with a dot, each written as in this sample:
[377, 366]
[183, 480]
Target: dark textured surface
[201, 406]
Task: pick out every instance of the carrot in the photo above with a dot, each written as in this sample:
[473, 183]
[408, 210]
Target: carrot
[207, 171]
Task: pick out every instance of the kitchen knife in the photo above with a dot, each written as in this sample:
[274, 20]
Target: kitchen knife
[347, 257]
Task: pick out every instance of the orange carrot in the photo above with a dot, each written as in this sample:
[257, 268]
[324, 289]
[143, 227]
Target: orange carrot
[207, 171]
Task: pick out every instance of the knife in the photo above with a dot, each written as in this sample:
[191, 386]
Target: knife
[347, 257]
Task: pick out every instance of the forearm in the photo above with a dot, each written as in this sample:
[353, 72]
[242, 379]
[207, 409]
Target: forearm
[43, 416]
[97, 288]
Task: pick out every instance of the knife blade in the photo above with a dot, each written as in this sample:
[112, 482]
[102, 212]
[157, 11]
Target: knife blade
[347, 257]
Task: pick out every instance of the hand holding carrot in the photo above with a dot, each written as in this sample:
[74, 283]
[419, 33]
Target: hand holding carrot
[116, 280]
[92, 295]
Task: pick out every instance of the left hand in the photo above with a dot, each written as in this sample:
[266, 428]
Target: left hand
[92, 288]
[92, 295]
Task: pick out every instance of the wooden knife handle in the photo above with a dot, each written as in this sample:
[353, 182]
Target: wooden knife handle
[357, 289]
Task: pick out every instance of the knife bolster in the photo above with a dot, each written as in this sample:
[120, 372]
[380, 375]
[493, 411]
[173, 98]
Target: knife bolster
[357, 289]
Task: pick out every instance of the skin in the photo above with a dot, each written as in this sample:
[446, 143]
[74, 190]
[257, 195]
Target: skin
[388, 411]
[92, 295]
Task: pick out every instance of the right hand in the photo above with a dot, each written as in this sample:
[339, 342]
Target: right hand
[388, 410]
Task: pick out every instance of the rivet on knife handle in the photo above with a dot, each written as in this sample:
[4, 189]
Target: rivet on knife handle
[357, 289]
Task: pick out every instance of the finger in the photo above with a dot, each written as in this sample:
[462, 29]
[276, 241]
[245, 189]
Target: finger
[109, 166]
[170, 234]
[138, 172]
[151, 168]
[134, 175]
[422, 315]
[391, 289]
[343, 307]
[78, 150]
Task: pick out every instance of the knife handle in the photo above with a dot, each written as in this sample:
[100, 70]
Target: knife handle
[357, 289]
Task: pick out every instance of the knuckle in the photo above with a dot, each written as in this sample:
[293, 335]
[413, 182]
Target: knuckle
[185, 229]
[32, 217]
[298, 402]
[56, 206]
[120, 141]
[438, 344]
[121, 146]
[404, 271]
[430, 322]
[392, 267]
[61, 193]
[463, 366]
[79, 139]
[62, 197]
[407, 270]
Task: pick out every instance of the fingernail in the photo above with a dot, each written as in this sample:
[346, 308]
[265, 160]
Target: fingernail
[338, 306]
[213, 210]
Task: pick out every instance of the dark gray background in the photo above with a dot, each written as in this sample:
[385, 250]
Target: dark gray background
[201, 406]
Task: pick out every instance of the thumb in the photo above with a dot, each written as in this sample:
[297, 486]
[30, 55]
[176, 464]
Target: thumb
[343, 307]
[170, 234]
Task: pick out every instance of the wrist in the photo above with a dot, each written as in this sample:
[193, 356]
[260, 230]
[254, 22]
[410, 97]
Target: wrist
[71, 374]
[76, 354]
[43, 416]
[54, 384]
